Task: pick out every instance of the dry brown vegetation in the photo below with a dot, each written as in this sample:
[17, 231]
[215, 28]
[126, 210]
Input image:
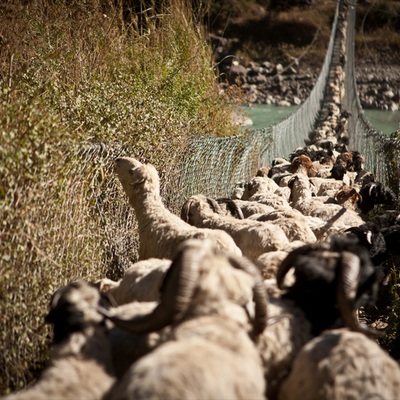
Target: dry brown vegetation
[80, 84]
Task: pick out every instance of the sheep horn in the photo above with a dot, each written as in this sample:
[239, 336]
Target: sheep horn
[290, 261]
[233, 206]
[214, 205]
[347, 292]
[176, 291]
[259, 292]
[185, 210]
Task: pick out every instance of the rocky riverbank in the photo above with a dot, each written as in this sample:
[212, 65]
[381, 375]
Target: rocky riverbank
[290, 83]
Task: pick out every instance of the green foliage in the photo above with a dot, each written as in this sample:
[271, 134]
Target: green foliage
[392, 316]
[79, 87]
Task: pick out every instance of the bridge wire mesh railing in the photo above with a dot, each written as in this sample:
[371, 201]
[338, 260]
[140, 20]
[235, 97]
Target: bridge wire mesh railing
[212, 166]
[382, 154]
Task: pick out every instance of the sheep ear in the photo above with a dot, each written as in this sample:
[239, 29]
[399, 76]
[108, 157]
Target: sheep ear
[185, 210]
[105, 284]
[138, 178]
[290, 261]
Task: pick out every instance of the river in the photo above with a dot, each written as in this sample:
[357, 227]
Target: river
[266, 115]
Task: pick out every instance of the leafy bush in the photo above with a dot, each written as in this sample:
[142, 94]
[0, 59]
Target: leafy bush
[80, 86]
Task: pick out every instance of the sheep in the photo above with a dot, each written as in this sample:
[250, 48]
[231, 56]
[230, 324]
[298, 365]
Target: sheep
[369, 236]
[268, 263]
[252, 237]
[363, 177]
[374, 193]
[348, 197]
[341, 364]
[340, 274]
[81, 361]
[329, 282]
[302, 164]
[238, 190]
[210, 351]
[291, 221]
[141, 282]
[259, 184]
[245, 208]
[337, 217]
[264, 186]
[160, 231]
[322, 185]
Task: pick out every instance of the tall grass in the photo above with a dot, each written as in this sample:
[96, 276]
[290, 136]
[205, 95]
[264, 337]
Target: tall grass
[82, 82]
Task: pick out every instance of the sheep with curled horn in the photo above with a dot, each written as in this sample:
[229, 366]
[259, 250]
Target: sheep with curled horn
[243, 208]
[210, 352]
[340, 275]
[160, 231]
[327, 284]
[81, 364]
[252, 237]
[341, 364]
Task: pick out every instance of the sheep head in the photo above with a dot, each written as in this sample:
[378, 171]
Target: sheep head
[73, 308]
[331, 282]
[348, 197]
[136, 177]
[376, 193]
[200, 274]
[260, 184]
[232, 207]
[199, 207]
[302, 164]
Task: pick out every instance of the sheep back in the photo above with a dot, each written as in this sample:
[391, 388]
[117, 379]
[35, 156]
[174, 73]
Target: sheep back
[341, 364]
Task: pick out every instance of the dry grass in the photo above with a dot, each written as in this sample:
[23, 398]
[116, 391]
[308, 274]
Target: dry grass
[80, 85]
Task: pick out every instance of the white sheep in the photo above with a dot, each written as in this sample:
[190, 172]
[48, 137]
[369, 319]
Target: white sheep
[340, 364]
[325, 186]
[337, 218]
[287, 331]
[140, 282]
[291, 221]
[128, 347]
[81, 361]
[247, 208]
[252, 237]
[209, 353]
[264, 188]
[160, 231]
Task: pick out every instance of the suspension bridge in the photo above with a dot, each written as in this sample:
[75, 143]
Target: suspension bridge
[213, 165]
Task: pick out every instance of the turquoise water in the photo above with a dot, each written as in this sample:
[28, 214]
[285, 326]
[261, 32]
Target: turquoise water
[264, 115]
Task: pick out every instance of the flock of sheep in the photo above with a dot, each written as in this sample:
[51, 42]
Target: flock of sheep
[256, 296]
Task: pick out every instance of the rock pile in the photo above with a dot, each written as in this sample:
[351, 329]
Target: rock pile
[286, 84]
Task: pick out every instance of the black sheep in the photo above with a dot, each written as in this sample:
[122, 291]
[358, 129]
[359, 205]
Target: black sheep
[375, 193]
